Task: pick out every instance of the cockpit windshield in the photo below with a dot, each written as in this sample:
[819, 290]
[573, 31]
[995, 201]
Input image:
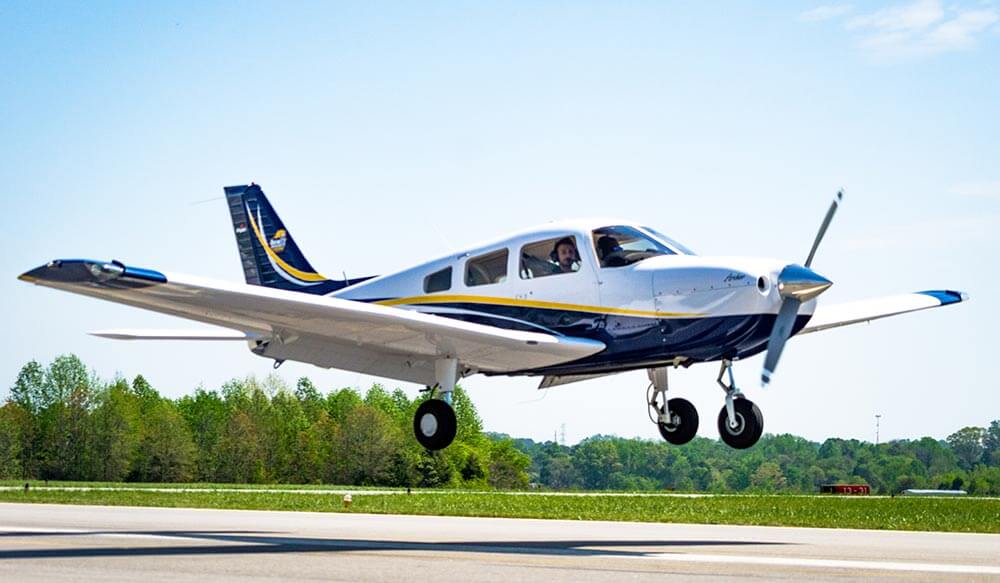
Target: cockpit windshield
[682, 249]
[620, 245]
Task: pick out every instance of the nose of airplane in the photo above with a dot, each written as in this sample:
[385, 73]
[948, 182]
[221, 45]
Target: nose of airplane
[801, 283]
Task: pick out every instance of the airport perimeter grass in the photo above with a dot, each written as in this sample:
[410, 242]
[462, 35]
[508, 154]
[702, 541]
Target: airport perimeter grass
[900, 513]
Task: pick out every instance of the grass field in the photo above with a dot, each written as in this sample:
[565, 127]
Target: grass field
[900, 513]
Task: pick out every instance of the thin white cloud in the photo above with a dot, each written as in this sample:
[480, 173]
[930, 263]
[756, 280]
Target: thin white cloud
[918, 28]
[979, 188]
[825, 12]
[918, 15]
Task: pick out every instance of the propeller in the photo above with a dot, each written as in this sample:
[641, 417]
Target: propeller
[796, 284]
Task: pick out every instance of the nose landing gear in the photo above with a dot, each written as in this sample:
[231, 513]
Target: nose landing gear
[740, 421]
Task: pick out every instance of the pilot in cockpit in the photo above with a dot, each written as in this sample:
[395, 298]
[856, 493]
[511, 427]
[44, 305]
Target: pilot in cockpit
[566, 256]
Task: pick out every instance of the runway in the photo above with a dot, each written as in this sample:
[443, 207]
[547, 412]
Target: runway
[55, 542]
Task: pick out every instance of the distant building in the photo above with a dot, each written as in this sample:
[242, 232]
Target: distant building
[850, 489]
[915, 492]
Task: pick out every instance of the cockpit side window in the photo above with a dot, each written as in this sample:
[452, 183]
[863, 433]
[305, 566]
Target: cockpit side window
[550, 257]
[619, 245]
[487, 268]
[438, 281]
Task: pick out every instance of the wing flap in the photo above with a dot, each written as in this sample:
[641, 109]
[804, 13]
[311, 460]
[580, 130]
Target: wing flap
[833, 316]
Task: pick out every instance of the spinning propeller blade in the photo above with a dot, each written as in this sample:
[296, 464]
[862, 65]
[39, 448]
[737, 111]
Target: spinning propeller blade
[826, 223]
[796, 284]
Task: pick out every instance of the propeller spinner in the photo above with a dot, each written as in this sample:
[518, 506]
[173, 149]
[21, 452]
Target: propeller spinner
[796, 284]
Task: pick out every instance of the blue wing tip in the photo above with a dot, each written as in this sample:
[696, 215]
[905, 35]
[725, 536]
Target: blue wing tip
[946, 296]
[92, 271]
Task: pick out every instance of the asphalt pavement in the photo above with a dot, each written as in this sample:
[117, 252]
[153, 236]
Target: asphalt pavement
[41, 542]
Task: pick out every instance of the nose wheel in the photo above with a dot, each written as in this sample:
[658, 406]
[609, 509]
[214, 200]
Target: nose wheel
[740, 421]
[748, 426]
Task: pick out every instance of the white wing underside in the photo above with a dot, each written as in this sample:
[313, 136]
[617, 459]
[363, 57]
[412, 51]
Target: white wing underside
[836, 315]
[335, 333]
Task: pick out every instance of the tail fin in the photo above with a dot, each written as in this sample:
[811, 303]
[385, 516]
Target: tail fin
[269, 254]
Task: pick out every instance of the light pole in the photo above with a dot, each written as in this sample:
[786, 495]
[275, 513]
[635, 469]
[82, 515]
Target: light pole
[878, 417]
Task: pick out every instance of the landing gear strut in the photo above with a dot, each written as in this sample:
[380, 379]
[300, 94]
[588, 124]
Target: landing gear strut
[434, 423]
[740, 421]
[677, 419]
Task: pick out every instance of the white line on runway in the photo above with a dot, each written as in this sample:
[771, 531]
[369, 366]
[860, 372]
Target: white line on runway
[826, 563]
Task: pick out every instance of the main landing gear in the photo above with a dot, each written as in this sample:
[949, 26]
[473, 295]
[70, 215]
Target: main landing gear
[434, 423]
[740, 421]
[677, 419]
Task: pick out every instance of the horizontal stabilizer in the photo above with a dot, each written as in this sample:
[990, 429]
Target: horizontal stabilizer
[549, 381]
[867, 310]
[157, 334]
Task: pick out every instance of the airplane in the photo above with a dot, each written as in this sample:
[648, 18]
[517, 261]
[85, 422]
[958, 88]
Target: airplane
[565, 301]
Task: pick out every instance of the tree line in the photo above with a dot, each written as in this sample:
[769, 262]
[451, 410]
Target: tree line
[968, 459]
[61, 422]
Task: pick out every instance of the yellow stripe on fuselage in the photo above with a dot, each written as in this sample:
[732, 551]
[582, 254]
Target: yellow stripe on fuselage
[499, 301]
[270, 252]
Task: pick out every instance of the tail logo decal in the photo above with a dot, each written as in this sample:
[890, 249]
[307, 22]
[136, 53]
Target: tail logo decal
[277, 245]
[278, 241]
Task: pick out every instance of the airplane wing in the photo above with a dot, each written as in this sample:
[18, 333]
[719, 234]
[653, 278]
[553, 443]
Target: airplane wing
[325, 331]
[836, 315]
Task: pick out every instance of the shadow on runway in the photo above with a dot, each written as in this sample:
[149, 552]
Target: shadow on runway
[253, 542]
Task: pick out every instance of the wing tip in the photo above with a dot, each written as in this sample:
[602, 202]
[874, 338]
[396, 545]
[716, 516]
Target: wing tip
[946, 296]
[88, 271]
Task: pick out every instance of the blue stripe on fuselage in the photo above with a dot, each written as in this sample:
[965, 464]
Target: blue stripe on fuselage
[632, 342]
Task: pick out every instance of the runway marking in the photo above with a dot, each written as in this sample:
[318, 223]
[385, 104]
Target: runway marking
[91, 532]
[826, 563]
[701, 558]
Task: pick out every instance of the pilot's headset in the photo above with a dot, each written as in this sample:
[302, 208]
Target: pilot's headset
[554, 255]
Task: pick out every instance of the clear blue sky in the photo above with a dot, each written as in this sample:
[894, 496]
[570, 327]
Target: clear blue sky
[389, 132]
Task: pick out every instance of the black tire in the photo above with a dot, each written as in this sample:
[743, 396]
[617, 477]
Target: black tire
[687, 422]
[434, 424]
[750, 425]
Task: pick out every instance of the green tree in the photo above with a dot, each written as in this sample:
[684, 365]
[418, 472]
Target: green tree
[991, 444]
[240, 455]
[768, 478]
[166, 452]
[205, 414]
[310, 398]
[28, 389]
[113, 433]
[967, 443]
[10, 440]
[596, 459]
[368, 445]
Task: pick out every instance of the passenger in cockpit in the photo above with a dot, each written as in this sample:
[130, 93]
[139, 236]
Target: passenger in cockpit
[566, 256]
[609, 252]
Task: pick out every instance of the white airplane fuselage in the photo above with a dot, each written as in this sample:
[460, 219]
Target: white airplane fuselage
[671, 308]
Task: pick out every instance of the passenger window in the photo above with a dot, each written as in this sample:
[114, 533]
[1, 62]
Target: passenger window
[550, 257]
[486, 269]
[438, 281]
